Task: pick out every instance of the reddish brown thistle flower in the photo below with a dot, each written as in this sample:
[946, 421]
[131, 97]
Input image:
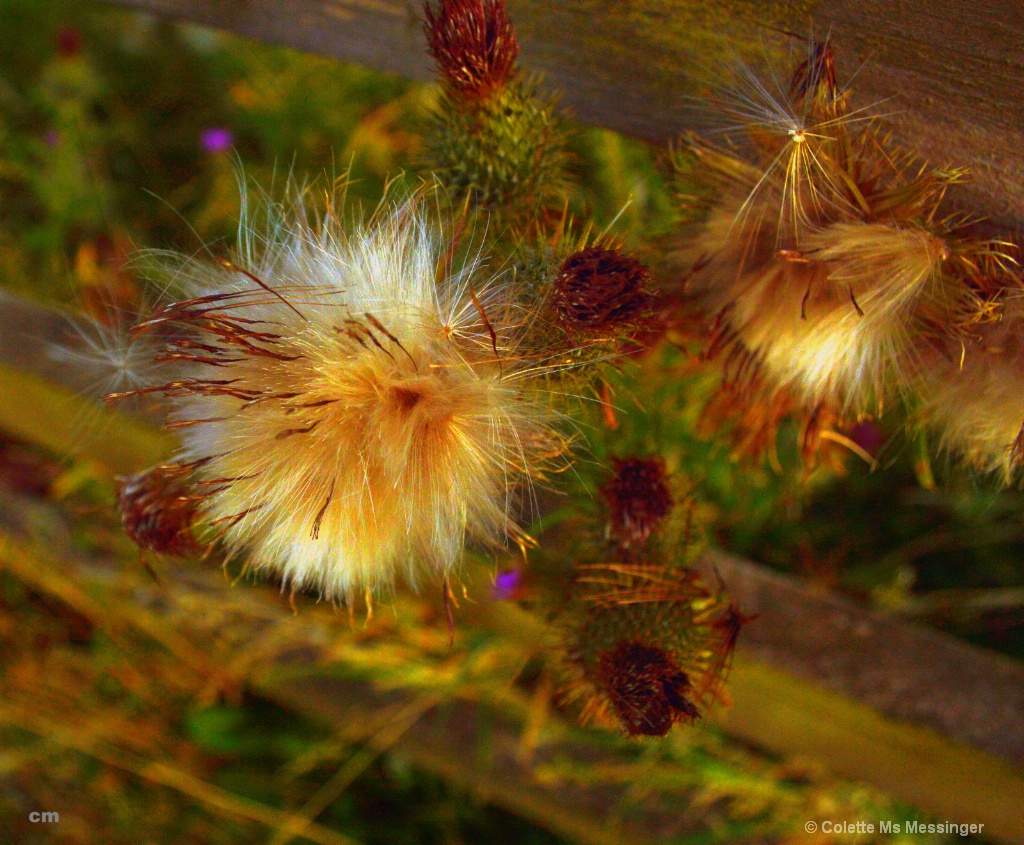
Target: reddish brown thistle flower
[474, 45]
[600, 289]
[638, 498]
[647, 691]
[646, 646]
[158, 509]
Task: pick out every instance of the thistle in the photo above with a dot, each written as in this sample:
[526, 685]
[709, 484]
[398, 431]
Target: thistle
[474, 45]
[648, 646]
[974, 393]
[638, 498]
[493, 137]
[158, 510]
[351, 400]
[825, 269]
[600, 290]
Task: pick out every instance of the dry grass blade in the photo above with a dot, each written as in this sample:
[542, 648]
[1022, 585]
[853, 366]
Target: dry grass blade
[165, 775]
[297, 824]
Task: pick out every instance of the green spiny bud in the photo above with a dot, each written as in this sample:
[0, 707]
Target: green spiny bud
[648, 646]
[504, 150]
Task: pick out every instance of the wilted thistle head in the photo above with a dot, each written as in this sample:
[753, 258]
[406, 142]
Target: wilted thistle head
[601, 290]
[474, 45]
[648, 646]
[638, 498]
[158, 509]
[350, 397]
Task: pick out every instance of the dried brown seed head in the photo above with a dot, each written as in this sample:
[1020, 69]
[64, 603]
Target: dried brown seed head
[638, 498]
[474, 45]
[646, 689]
[601, 289]
[158, 509]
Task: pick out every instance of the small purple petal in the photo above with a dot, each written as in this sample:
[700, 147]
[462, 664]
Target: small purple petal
[868, 436]
[51, 138]
[505, 584]
[217, 139]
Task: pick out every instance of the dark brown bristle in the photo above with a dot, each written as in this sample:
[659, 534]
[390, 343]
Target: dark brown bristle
[727, 629]
[601, 289]
[474, 45]
[1017, 450]
[815, 77]
[647, 690]
[638, 498]
[158, 509]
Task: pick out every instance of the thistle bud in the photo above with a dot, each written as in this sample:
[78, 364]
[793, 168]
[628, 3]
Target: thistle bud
[638, 498]
[493, 138]
[598, 290]
[648, 646]
[474, 45]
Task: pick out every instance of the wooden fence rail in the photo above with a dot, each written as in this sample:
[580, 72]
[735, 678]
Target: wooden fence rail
[949, 72]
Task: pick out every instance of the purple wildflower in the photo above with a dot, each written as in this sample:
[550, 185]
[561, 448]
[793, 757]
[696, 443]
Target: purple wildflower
[506, 584]
[216, 139]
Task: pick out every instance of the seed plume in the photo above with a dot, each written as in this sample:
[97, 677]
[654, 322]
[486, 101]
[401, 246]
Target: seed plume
[351, 398]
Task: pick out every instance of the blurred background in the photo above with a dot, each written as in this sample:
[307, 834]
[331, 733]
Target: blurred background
[119, 131]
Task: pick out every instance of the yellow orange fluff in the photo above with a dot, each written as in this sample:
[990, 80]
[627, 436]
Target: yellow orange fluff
[974, 396]
[351, 400]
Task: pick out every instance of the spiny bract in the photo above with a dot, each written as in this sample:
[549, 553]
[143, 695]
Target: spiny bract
[350, 399]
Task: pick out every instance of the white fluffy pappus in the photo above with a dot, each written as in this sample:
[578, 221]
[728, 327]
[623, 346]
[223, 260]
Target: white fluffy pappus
[825, 262]
[351, 401]
[832, 321]
[974, 396]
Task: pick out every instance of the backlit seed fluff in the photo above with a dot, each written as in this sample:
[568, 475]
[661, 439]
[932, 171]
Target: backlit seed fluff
[350, 400]
[974, 393]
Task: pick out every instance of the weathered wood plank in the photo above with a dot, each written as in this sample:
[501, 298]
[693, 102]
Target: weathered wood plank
[479, 745]
[911, 673]
[949, 72]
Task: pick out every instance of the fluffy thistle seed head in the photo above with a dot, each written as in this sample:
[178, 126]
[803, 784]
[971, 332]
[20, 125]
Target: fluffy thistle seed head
[974, 395]
[474, 45]
[351, 401]
[834, 323]
[827, 268]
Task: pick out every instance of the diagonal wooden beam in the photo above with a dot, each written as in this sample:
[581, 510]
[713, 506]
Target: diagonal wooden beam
[946, 72]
